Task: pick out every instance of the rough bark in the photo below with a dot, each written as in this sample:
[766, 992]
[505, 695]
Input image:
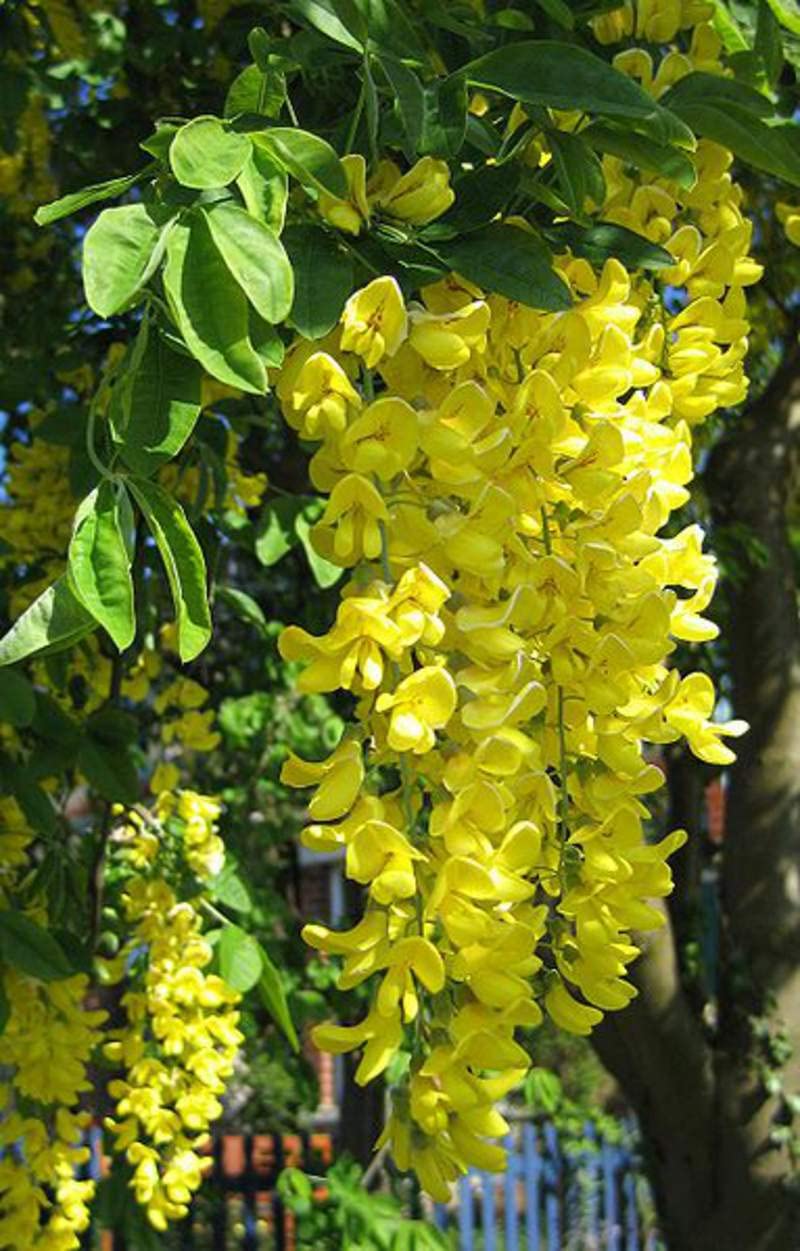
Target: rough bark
[719, 1179]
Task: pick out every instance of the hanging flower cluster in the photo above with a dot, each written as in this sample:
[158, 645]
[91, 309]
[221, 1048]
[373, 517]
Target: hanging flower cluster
[499, 481]
[49, 1038]
[181, 1035]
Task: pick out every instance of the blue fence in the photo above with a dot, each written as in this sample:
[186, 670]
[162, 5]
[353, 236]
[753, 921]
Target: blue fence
[557, 1194]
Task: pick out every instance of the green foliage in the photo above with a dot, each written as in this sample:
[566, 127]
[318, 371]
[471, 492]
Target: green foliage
[344, 1216]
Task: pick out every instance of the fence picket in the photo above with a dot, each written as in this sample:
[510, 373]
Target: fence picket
[466, 1214]
[510, 1203]
[488, 1211]
[632, 1241]
[591, 1197]
[532, 1164]
[611, 1195]
[553, 1170]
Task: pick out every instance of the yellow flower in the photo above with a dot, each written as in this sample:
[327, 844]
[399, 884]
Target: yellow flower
[789, 217]
[447, 340]
[421, 704]
[351, 214]
[349, 529]
[382, 440]
[338, 780]
[374, 321]
[322, 399]
[381, 1036]
[688, 712]
[420, 195]
[568, 1013]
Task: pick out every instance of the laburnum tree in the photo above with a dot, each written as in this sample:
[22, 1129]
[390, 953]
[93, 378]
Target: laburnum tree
[453, 297]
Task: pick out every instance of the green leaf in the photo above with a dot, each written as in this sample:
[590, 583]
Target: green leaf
[29, 948]
[239, 955]
[228, 889]
[512, 19]
[275, 533]
[113, 727]
[733, 115]
[605, 239]
[564, 76]
[35, 803]
[481, 194]
[388, 27]
[728, 29]
[183, 562]
[215, 329]
[559, 11]
[53, 724]
[511, 262]
[273, 996]
[444, 124]
[264, 188]
[117, 251]
[108, 770]
[409, 100]
[266, 341]
[323, 279]
[100, 566]
[55, 620]
[158, 143]
[204, 154]
[254, 91]
[306, 157]
[578, 171]
[17, 699]
[325, 573]
[243, 605]
[787, 13]
[255, 257]
[322, 15]
[68, 204]
[768, 44]
[702, 88]
[643, 153]
[159, 404]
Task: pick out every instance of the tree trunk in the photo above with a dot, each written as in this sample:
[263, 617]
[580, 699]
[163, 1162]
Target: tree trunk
[708, 1093]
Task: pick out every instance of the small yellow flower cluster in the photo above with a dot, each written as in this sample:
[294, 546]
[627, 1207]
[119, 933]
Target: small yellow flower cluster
[36, 514]
[15, 838]
[656, 21]
[25, 178]
[499, 480]
[180, 1039]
